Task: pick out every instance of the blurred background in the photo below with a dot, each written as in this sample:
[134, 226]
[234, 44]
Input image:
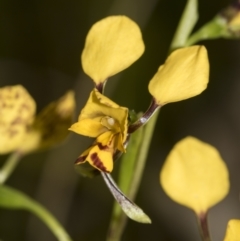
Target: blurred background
[40, 47]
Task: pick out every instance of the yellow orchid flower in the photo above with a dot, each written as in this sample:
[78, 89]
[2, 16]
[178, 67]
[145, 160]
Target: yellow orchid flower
[184, 75]
[106, 121]
[112, 45]
[50, 125]
[21, 130]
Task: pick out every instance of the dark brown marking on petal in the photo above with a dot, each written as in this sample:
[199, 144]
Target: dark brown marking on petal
[4, 105]
[17, 95]
[17, 121]
[97, 162]
[102, 147]
[25, 106]
[81, 159]
[12, 133]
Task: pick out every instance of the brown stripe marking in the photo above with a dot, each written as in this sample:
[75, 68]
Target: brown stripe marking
[97, 162]
[81, 159]
[102, 147]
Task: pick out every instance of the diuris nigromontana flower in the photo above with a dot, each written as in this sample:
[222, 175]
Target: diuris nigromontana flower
[112, 45]
[23, 131]
[106, 121]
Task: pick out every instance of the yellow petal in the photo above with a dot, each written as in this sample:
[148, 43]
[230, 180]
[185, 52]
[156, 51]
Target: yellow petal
[195, 175]
[233, 230]
[100, 158]
[106, 138]
[88, 127]
[112, 45]
[184, 75]
[99, 105]
[82, 158]
[17, 110]
[51, 124]
[112, 140]
[119, 143]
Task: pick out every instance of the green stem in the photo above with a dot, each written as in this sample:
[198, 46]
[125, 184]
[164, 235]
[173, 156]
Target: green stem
[186, 24]
[9, 166]
[216, 28]
[11, 198]
[51, 222]
[142, 156]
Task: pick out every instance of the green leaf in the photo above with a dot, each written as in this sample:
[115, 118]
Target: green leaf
[14, 199]
[186, 24]
[128, 161]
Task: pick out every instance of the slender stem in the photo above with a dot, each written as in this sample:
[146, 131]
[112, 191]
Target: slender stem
[203, 226]
[117, 226]
[51, 222]
[186, 24]
[101, 86]
[9, 166]
[145, 117]
[142, 156]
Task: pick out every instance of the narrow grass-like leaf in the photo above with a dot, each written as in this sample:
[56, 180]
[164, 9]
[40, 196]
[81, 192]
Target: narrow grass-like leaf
[14, 199]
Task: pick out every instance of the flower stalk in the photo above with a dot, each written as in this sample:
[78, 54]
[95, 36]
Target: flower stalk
[101, 86]
[9, 166]
[203, 226]
[145, 117]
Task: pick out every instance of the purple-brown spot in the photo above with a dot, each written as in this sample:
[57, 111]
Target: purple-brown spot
[17, 95]
[12, 133]
[17, 120]
[102, 147]
[97, 162]
[81, 159]
[25, 106]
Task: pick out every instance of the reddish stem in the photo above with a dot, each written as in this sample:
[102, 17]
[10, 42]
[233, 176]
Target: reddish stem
[145, 117]
[100, 87]
[203, 225]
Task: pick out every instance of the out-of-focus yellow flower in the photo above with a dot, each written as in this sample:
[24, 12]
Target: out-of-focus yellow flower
[21, 130]
[17, 112]
[195, 175]
[112, 45]
[184, 75]
[50, 126]
[233, 230]
[106, 121]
